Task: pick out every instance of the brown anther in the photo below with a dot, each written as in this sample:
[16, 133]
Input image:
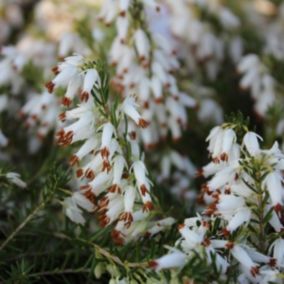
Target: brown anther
[64, 138]
[216, 160]
[181, 226]
[146, 104]
[84, 96]
[148, 206]
[205, 224]
[150, 146]
[132, 135]
[50, 86]
[153, 264]
[89, 174]
[127, 218]
[211, 209]
[104, 152]
[90, 196]
[117, 237]
[132, 85]
[125, 175]
[272, 262]
[122, 13]
[62, 116]
[106, 166]
[79, 172]
[73, 160]
[55, 70]
[159, 100]
[104, 221]
[278, 208]
[227, 191]
[103, 203]
[199, 172]
[143, 123]
[66, 102]
[114, 189]
[254, 271]
[206, 242]
[225, 232]
[229, 245]
[143, 189]
[224, 157]
[205, 189]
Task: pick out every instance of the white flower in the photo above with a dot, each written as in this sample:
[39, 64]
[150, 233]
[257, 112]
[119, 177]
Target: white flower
[123, 6]
[80, 200]
[278, 251]
[228, 19]
[91, 78]
[108, 131]
[250, 140]
[15, 178]
[74, 213]
[122, 25]
[129, 108]
[243, 257]
[241, 216]
[142, 44]
[273, 183]
[3, 139]
[175, 259]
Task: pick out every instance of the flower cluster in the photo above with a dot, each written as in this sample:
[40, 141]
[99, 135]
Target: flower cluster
[208, 49]
[12, 19]
[109, 166]
[129, 90]
[245, 201]
[257, 79]
[145, 58]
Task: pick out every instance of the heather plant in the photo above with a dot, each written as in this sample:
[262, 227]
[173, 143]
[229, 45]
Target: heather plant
[141, 141]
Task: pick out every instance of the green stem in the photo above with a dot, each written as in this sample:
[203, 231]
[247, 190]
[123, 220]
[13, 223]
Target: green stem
[22, 225]
[64, 271]
[261, 236]
[106, 254]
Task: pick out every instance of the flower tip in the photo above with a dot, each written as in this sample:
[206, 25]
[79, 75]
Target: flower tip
[50, 86]
[122, 13]
[153, 264]
[199, 173]
[272, 262]
[62, 116]
[181, 226]
[104, 152]
[148, 206]
[143, 123]
[84, 96]
[117, 237]
[55, 70]
[79, 173]
[159, 100]
[225, 232]
[66, 101]
[278, 208]
[254, 271]
[73, 160]
[114, 189]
